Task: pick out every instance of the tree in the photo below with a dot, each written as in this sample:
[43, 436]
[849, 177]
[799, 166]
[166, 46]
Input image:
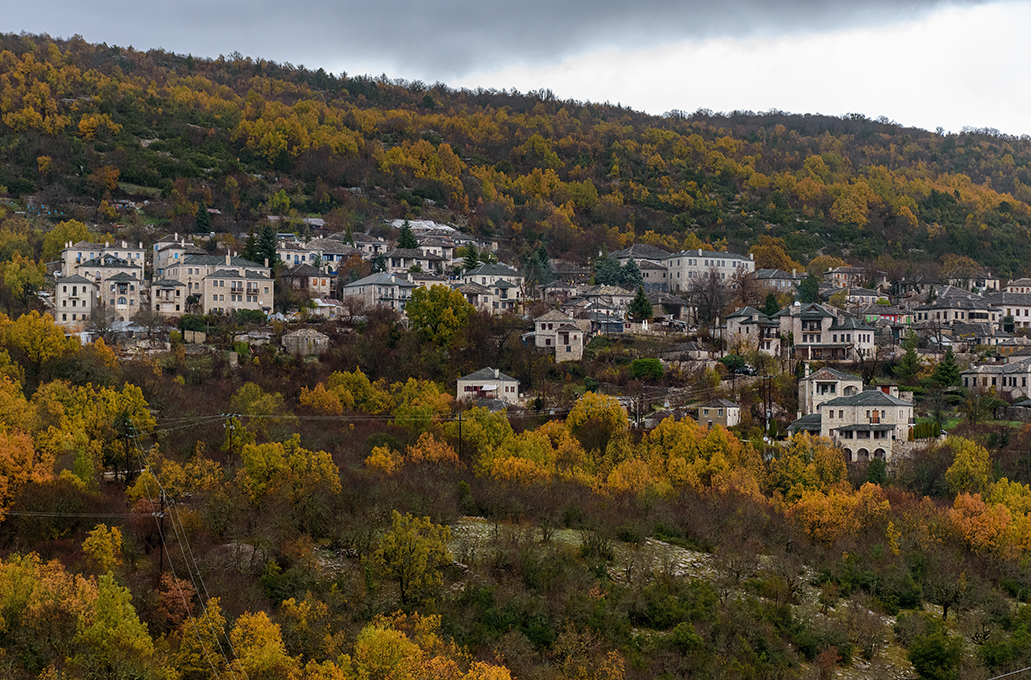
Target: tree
[596, 420]
[203, 640]
[770, 253]
[909, 365]
[438, 313]
[405, 238]
[640, 309]
[537, 270]
[630, 274]
[70, 231]
[259, 649]
[23, 277]
[471, 260]
[809, 290]
[265, 247]
[646, 368]
[971, 470]
[709, 296]
[607, 271]
[946, 373]
[202, 220]
[412, 553]
[771, 306]
[103, 548]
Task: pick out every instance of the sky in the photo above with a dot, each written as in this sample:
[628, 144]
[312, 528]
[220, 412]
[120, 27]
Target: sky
[920, 63]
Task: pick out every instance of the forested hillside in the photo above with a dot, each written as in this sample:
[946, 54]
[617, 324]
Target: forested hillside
[86, 125]
[191, 513]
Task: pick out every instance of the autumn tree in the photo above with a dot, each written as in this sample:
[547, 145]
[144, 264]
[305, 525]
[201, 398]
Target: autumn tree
[412, 553]
[971, 470]
[596, 420]
[438, 313]
[770, 253]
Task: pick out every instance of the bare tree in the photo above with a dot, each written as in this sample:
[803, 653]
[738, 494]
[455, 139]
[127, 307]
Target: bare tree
[708, 295]
[101, 322]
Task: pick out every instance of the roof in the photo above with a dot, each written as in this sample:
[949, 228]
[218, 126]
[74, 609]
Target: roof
[306, 333]
[488, 374]
[710, 253]
[75, 279]
[553, 315]
[808, 423]
[865, 427]
[746, 312]
[641, 251]
[997, 299]
[493, 269]
[768, 274]
[850, 324]
[167, 283]
[832, 374]
[218, 260]
[381, 279]
[122, 276]
[303, 270]
[235, 274]
[718, 403]
[867, 398]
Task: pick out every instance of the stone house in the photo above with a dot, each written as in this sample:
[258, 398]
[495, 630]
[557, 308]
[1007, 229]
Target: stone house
[488, 383]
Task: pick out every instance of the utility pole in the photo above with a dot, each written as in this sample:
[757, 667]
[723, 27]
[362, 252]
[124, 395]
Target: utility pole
[126, 424]
[161, 534]
[460, 453]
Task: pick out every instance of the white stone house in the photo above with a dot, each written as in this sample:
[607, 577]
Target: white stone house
[868, 425]
[488, 383]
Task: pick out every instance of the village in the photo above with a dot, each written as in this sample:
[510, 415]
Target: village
[701, 320]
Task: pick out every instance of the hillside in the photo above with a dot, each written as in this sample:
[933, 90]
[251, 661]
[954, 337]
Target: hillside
[87, 126]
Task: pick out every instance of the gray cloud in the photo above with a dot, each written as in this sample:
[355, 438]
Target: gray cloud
[439, 40]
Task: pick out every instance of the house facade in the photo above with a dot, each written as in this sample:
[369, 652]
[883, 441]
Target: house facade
[381, 289]
[559, 333]
[868, 425]
[488, 383]
[687, 266]
[719, 412]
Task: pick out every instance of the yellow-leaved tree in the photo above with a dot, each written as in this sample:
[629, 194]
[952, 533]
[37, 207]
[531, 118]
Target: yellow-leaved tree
[412, 553]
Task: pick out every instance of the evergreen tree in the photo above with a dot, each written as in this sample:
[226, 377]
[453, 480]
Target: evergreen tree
[349, 237]
[379, 263]
[537, 268]
[771, 306]
[406, 239]
[265, 248]
[250, 248]
[203, 220]
[630, 275]
[607, 271]
[472, 258]
[640, 308]
[909, 365]
[809, 290]
[946, 373]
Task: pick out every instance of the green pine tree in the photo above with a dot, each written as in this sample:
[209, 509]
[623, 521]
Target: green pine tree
[946, 373]
[640, 308]
[472, 258]
[406, 239]
[203, 220]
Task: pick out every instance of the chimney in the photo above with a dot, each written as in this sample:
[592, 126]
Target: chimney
[266, 262]
[699, 252]
[497, 372]
[227, 258]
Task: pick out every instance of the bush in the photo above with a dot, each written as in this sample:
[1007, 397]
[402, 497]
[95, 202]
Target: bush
[650, 369]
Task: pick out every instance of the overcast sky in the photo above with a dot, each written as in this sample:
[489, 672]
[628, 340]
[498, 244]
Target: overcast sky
[921, 63]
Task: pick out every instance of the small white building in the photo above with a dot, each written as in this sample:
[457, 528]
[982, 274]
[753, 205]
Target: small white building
[488, 383]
